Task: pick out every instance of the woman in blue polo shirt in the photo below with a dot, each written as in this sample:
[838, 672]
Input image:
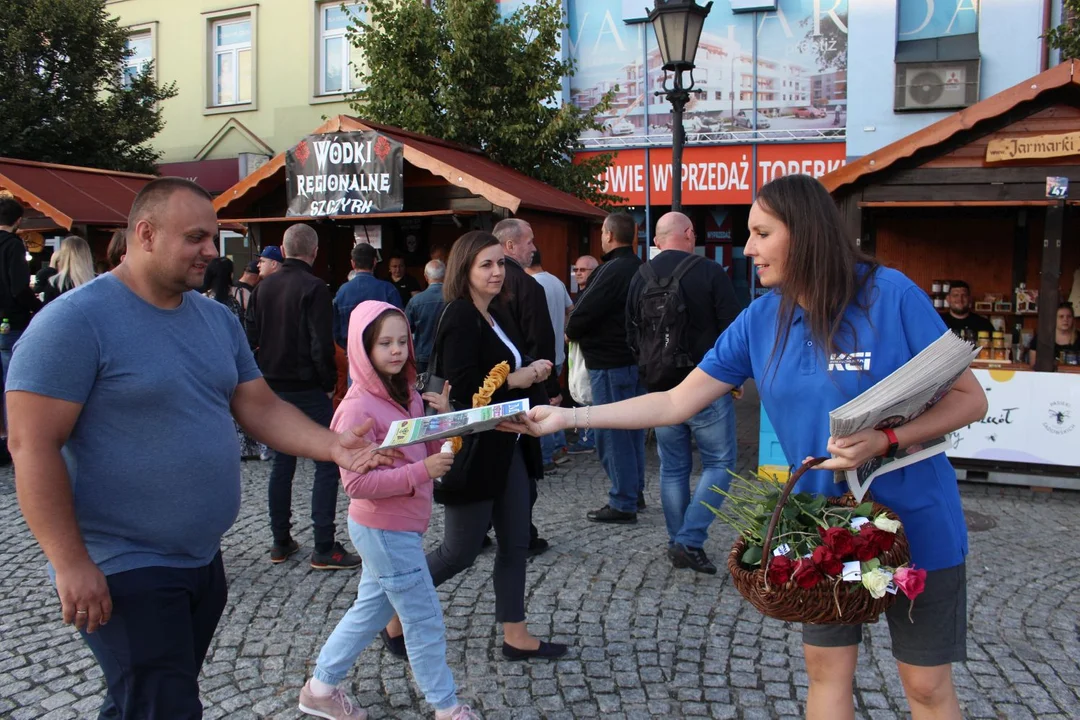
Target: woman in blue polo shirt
[834, 324]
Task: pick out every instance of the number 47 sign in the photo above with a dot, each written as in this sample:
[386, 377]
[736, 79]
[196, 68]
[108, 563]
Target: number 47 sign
[1057, 188]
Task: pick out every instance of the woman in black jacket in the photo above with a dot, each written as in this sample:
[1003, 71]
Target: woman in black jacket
[473, 337]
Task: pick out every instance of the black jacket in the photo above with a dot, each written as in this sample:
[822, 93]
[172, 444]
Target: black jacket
[291, 329]
[466, 349]
[710, 302]
[526, 302]
[598, 321]
[17, 299]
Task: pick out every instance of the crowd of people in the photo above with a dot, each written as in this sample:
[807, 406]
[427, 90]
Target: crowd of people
[103, 416]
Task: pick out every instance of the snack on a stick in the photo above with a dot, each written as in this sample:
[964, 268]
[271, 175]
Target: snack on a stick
[482, 397]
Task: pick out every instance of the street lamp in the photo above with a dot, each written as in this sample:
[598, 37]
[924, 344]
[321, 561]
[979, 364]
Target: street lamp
[677, 24]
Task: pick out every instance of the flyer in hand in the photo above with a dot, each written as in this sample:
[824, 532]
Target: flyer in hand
[900, 398]
[462, 422]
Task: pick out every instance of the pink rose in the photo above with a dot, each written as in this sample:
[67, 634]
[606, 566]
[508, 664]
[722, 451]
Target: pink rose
[910, 580]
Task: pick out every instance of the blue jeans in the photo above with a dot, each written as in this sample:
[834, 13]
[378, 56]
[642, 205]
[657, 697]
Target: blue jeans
[7, 343]
[324, 488]
[555, 441]
[395, 579]
[622, 452]
[713, 428]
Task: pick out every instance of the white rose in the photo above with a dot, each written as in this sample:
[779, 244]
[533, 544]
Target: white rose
[888, 525]
[876, 581]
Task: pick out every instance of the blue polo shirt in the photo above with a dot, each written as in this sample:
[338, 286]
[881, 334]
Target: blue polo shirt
[803, 387]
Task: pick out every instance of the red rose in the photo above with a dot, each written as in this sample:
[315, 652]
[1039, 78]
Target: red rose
[780, 570]
[827, 561]
[865, 548]
[881, 540]
[839, 540]
[807, 574]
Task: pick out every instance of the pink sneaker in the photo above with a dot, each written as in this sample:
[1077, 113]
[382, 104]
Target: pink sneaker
[460, 712]
[336, 707]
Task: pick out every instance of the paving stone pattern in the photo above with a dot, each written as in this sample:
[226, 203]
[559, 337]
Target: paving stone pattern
[647, 640]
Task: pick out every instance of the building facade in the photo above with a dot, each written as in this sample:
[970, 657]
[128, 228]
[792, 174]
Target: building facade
[252, 78]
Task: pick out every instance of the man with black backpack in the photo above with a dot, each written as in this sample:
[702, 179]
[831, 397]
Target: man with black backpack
[678, 305]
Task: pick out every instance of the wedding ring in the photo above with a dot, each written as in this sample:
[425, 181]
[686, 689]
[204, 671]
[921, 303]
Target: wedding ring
[82, 612]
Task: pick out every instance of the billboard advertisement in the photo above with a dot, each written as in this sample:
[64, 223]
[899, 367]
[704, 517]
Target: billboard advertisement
[777, 70]
[925, 19]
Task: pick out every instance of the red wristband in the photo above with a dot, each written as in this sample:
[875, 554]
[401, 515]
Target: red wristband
[894, 444]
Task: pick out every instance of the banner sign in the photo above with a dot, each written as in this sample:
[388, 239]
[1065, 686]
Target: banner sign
[344, 173]
[1033, 417]
[1033, 148]
[717, 174]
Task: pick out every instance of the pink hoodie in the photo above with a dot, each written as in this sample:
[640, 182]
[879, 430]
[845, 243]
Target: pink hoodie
[398, 496]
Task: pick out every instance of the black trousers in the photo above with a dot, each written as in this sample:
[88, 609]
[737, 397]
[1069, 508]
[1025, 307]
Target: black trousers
[153, 647]
[464, 531]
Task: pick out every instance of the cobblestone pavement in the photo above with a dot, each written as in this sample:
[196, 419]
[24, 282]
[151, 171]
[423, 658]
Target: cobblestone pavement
[647, 640]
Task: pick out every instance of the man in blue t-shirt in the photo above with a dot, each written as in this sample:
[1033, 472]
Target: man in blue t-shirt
[121, 398]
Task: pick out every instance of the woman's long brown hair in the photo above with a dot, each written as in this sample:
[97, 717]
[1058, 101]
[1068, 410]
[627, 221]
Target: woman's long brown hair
[822, 271]
[397, 386]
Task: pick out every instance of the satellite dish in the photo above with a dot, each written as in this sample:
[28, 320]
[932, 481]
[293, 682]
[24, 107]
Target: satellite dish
[926, 88]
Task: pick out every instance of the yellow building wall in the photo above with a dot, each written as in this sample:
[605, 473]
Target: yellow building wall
[285, 106]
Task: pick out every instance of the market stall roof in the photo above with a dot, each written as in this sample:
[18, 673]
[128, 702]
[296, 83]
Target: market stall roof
[461, 166]
[69, 195]
[1064, 76]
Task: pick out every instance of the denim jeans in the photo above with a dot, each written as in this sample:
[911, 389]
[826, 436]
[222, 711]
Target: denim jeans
[7, 343]
[317, 406]
[622, 452]
[549, 444]
[395, 579]
[713, 428]
[153, 647]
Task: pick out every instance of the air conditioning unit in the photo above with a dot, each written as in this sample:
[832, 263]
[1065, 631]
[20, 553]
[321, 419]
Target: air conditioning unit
[936, 87]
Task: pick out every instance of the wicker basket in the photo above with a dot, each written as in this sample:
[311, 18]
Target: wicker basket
[828, 602]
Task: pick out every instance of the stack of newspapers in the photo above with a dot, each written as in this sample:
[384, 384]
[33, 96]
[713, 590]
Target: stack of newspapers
[898, 399]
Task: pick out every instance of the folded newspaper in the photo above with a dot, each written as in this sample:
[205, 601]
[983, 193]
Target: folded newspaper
[462, 422]
[900, 398]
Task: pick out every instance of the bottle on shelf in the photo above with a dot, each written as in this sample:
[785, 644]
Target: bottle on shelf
[1018, 343]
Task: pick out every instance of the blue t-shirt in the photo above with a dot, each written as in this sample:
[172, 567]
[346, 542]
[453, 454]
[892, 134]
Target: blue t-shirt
[800, 391]
[361, 288]
[153, 458]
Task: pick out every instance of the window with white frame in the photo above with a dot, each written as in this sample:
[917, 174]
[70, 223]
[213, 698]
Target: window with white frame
[335, 51]
[232, 61]
[141, 46]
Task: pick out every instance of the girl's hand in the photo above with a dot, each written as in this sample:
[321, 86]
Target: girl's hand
[851, 452]
[438, 464]
[439, 402]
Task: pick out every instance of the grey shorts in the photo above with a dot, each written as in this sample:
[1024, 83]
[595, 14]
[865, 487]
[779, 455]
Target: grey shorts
[935, 635]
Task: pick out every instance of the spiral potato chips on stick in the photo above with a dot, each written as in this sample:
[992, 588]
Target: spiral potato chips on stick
[482, 397]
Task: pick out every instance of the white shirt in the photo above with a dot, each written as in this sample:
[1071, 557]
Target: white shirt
[506, 341]
[558, 302]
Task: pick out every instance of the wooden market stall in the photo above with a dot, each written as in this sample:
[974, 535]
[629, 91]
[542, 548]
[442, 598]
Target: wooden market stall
[62, 200]
[348, 180]
[968, 198]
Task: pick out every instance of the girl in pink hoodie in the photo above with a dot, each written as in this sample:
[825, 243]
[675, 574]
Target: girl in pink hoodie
[388, 514]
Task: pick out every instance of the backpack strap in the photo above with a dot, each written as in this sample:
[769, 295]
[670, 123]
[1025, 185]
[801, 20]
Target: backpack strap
[648, 272]
[684, 267]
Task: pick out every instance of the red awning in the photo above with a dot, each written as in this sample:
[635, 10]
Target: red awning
[71, 195]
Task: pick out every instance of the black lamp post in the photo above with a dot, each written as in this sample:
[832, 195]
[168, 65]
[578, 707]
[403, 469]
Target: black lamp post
[677, 24]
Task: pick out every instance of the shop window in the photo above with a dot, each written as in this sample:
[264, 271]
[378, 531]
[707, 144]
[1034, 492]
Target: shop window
[140, 45]
[337, 58]
[232, 62]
